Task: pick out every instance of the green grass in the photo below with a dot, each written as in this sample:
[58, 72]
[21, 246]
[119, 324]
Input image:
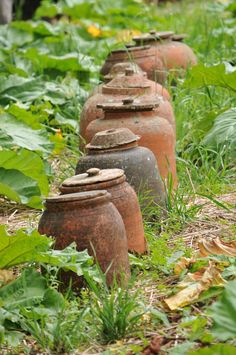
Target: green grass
[102, 315]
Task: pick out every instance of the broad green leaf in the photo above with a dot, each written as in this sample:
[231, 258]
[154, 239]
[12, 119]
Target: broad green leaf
[28, 290]
[21, 247]
[222, 75]
[223, 313]
[217, 349]
[68, 259]
[181, 349]
[14, 88]
[23, 177]
[223, 132]
[20, 134]
[22, 114]
[64, 63]
[18, 187]
[10, 36]
[29, 163]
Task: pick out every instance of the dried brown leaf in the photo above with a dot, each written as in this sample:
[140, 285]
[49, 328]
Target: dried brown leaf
[6, 276]
[194, 284]
[216, 246]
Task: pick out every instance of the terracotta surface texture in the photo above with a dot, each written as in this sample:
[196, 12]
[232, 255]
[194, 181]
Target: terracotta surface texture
[91, 221]
[118, 148]
[122, 196]
[141, 118]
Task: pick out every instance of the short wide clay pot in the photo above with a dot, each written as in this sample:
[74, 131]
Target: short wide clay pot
[122, 196]
[118, 148]
[91, 221]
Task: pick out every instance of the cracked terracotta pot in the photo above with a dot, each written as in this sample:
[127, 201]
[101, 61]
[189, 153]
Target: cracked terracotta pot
[141, 118]
[91, 221]
[175, 55]
[145, 57]
[122, 196]
[118, 148]
[130, 84]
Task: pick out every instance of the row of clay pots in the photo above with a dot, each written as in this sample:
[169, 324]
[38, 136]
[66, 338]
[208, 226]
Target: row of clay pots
[99, 211]
[156, 53]
[126, 84]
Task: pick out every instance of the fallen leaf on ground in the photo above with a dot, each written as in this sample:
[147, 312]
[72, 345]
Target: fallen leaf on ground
[216, 246]
[194, 284]
[6, 276]
[183, 264]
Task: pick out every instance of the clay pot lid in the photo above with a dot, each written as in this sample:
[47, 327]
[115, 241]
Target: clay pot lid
[130, 104]
[129, 80]
[179, 37]
[78, 196]
[112, 138]
[120, 68]
[130, 48]
[93, 176]
[153, 35]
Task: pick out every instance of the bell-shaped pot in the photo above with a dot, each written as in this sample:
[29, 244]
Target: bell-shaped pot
[175, 55]
[91, 221]
[130, 84]
[144, 57]
[122, 196]
[118, 148]
[141, 118]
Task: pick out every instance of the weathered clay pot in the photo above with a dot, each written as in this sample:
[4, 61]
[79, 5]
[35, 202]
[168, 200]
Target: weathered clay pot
[117, 69]
[91, 221]
[130, 84]
[118, 148]
[122, 196]
[144, 57]
[175, 55]
[139, 116]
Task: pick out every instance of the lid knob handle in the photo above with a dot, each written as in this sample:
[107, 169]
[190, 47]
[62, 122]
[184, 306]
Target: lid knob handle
[93, 171]
[127, 101]
[129, 71]
[152, 32]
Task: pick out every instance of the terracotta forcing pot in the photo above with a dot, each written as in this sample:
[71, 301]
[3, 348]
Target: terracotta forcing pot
[122, 196]
[130, 84]
[91, 221]
[175, 55]
[145, 57]
[118, 148]
[140, 117]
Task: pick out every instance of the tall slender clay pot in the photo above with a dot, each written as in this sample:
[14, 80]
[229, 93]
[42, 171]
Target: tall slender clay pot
[130, 84]
[118, 148]
[91, 221]
[145, 57]
[141, 118]
[175, 55]
[122, 196]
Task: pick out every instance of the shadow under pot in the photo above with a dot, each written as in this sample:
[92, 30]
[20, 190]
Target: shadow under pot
[91, 221]
[118, 148]
[144, 57]
[175, 55]
[140, 116]
[130, 84]
[122, 196]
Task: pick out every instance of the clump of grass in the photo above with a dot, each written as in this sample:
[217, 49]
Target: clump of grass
[115, 311]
